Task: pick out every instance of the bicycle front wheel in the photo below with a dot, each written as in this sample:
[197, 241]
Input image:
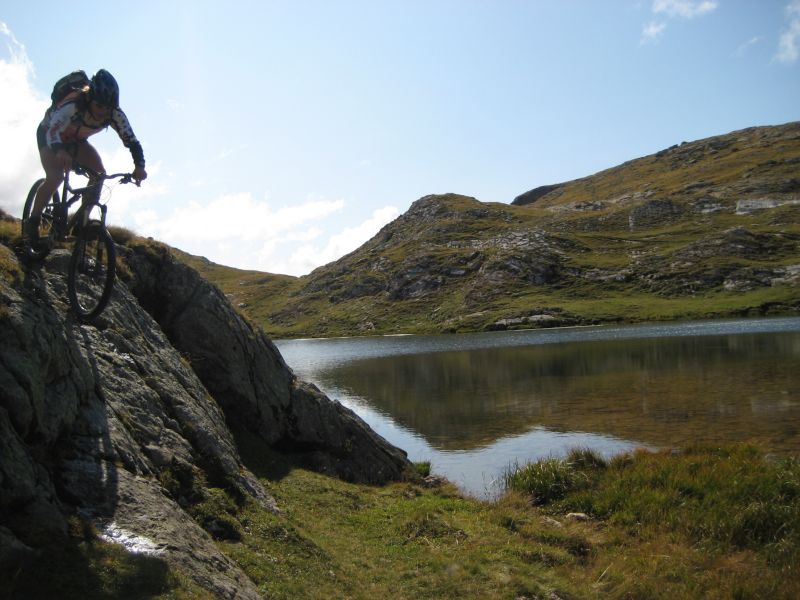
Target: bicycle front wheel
[91, 271]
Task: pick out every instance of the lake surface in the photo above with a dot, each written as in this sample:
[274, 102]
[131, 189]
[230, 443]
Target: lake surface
[476, 404]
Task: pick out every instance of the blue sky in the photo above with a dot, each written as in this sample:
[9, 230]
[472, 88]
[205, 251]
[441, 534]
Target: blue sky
[281, 135]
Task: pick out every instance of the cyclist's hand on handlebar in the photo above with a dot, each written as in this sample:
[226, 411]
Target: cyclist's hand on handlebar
[139, 175]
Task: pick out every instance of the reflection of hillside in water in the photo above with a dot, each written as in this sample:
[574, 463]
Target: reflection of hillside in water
[667, 391]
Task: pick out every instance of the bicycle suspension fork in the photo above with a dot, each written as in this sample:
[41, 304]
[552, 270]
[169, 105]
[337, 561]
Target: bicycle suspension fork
[90, 199]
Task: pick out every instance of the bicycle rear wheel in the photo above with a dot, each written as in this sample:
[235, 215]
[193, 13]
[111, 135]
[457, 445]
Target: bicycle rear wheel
[42, 248]
[92, 267]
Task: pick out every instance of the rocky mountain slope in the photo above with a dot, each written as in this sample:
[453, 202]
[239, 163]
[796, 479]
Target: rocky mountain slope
[125, 426]
[702, 229]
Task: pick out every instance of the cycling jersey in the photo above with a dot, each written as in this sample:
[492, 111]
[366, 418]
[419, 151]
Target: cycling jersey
[69, 124]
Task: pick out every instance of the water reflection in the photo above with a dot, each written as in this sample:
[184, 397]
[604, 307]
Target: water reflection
[670, 391]
[473, 404]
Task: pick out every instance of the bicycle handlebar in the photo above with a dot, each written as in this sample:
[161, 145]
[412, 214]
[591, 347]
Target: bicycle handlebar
[87, 172]
[123, 177]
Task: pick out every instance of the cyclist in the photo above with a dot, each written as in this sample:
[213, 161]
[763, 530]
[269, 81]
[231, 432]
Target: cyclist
[62, 138]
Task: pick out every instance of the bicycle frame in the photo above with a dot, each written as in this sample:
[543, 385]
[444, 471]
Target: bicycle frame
[89, 194]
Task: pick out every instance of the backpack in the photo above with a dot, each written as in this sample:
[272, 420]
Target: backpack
[68, 84]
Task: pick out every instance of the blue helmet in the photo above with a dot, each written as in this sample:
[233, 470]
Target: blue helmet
[104, 89]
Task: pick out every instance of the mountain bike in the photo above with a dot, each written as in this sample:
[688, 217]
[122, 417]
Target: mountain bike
[92, 266]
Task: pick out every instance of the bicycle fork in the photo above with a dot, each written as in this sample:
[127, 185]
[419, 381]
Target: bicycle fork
[81, 218]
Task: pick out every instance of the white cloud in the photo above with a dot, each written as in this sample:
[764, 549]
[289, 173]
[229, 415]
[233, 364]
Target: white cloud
[143, 220]
[21, 109]
[688, 9]
[742, 50]
[306, 235]
[16, 50]
[308, 257]
[241, 231]
[669, 9]
[239, 217]
[652, 31]
[789, 42]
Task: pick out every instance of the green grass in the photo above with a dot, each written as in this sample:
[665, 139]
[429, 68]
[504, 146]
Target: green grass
[705, 522]
[337, 540]
[714, 522]
[10, 267]
[727, 499]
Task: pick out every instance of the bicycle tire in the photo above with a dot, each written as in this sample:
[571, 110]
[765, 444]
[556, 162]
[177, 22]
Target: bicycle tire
[46, 225]
[92, 268]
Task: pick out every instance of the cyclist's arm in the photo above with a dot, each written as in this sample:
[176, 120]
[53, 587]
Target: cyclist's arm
[120, 124]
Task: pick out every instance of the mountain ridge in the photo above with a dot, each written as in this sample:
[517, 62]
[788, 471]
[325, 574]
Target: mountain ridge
[701, 229]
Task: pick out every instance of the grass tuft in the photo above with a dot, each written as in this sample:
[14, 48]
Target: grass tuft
[429, 526]
[586, 459]
[122, 235]
[217, 514]
[423, 468]
[10, 269]
[546, 480]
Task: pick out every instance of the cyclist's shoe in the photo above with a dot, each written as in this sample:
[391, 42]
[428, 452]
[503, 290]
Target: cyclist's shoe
[32, 229]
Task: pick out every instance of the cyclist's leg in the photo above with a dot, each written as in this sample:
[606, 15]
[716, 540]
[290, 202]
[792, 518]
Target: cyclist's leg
[53, 174]
[87, 156]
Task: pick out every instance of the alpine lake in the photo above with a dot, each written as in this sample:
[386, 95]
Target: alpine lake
[476, 405]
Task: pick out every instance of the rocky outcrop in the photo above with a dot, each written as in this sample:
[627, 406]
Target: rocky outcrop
[126, 422]
[533, 195]
[246, 375]
[92, 417]
[746, 207]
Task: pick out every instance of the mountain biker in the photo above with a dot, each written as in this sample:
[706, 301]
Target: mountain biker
[62, 139]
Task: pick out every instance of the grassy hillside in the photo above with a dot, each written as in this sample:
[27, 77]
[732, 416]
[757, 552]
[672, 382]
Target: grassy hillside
[703, 229]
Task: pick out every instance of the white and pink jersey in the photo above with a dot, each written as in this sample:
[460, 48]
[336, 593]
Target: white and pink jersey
[68, 124]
